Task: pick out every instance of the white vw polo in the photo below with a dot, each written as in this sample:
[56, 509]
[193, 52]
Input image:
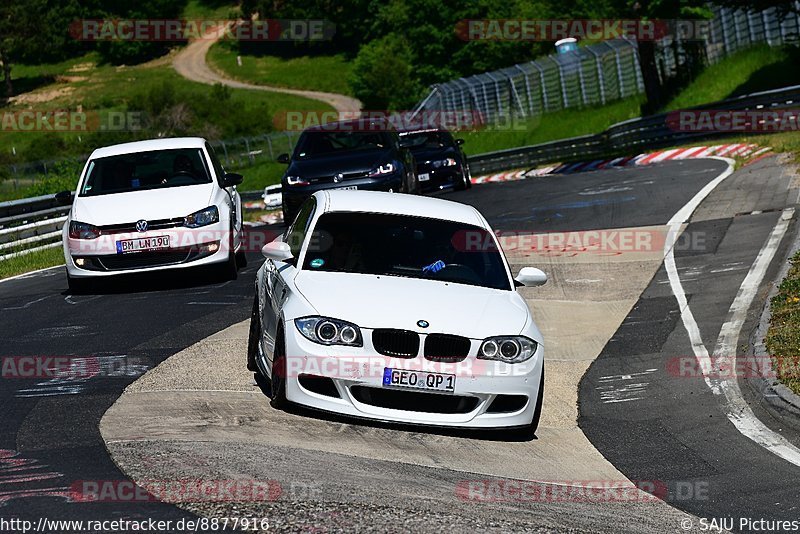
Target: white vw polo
[396, 308]
[149, 206]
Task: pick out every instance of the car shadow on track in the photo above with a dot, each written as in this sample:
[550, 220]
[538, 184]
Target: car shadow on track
[503, 435]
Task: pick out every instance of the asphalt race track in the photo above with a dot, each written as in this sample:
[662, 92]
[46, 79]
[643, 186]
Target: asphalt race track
[649, 423]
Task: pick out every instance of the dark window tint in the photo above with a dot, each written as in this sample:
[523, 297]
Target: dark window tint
[399, 245]
[157, 169]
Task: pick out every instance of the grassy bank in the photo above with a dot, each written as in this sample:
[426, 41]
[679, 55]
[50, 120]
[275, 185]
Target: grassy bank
[315, 73]
[783, 336]
[31, 262]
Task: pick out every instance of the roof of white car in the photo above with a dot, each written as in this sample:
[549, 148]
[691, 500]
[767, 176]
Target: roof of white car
[149, 145]
[398, 204]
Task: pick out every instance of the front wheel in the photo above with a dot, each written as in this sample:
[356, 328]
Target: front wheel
[254, 338]
[78, 285]
[278, 389]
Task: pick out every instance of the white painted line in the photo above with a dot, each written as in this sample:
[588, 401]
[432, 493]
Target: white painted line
[737, 410]
[32, 273]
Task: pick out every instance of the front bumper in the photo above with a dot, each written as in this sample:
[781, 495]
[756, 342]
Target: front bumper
[189, 247]
[349, 381]
[439, 178]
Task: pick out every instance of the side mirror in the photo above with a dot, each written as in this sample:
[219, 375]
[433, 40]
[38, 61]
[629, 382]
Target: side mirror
[64, 198]
[231, 179]
[283, 158]
[277, 250]
[459, 141]
[531, 277]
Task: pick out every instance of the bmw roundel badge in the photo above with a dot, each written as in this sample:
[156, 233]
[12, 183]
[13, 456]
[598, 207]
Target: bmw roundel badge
[422, 323]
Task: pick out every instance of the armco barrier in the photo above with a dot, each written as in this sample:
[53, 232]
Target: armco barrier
[34, 224]
[625, 137]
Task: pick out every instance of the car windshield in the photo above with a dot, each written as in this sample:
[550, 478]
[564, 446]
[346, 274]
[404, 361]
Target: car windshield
[157, 169]
[318, 143]
[401, 245]
[427, 140]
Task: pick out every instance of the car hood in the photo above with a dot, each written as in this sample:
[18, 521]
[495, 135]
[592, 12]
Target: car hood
[394, 302]
[150, 205]
[350, 162]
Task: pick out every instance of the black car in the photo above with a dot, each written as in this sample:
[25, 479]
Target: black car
[441, 164]
[346, 155]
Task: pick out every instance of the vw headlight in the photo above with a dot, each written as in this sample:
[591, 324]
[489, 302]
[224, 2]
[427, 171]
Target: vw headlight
[327, 331]
[210, 215]
[296, 180]
[383, 169]
[79, 230]
[449, 162]
[508, 349]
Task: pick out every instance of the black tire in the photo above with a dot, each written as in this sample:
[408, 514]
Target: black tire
[537, 412]
[78, 286]
[241, 259]
[254, 338]
[278, 389]
[229, 270]
[464, 182]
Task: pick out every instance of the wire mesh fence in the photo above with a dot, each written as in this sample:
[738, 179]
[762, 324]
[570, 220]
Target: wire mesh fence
[600, 73]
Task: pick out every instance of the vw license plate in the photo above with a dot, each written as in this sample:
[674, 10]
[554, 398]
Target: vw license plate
[143, 243]
[419, 380]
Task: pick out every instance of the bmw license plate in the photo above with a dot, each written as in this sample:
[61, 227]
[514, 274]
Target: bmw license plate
[143, 243]
[419, 380]
[424, 177]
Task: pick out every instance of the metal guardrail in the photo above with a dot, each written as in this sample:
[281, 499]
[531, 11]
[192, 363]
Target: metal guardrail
[35, 224]
[29, 225]
[645, 132]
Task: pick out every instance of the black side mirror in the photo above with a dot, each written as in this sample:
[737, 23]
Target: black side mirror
[231, 179]
[283, 158]
[64, 198]
[459, 141]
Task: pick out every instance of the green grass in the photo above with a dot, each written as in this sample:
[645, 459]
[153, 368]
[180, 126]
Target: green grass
[260, 175]
[202, 109]
[550, 127]
[316, 73]
[31, 262]
[754, 69]
[783, 335]
[210, 10]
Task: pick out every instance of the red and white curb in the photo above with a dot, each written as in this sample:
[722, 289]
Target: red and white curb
[742, 150]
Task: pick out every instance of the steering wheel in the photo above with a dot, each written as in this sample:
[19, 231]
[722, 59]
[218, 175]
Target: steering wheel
[180, 176]
[459, 271]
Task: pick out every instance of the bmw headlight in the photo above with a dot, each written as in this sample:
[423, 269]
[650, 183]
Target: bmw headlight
[326, 331]
[383, 169]
[210, 215]
[79, 230]
[508, 349]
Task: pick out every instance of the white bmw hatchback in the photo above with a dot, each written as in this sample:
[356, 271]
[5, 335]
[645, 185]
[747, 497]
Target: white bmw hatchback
[396, 308]
[149, 206]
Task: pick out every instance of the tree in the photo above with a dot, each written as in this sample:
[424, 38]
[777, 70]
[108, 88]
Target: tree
[34, 31]
[382, 74]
